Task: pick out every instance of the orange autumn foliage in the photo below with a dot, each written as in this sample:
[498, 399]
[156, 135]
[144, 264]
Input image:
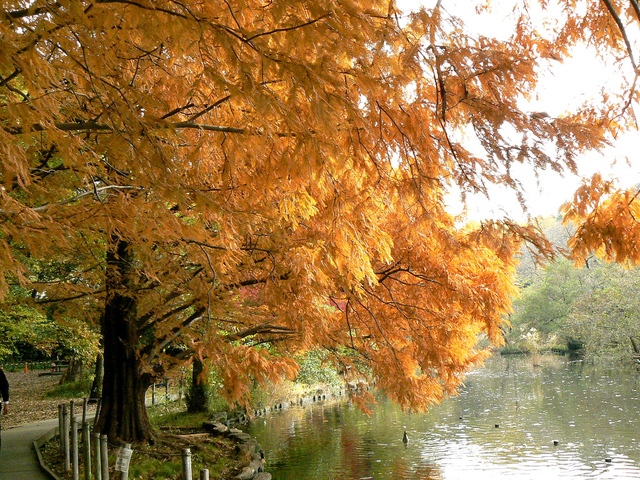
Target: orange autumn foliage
[606, 221]
[244, 181]
[605, 216]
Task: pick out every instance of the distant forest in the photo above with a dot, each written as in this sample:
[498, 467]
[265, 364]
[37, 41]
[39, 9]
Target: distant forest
[592, 308]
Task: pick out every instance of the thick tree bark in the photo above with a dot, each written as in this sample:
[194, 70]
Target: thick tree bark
[123, 416]
[96, 386]
[197, 397]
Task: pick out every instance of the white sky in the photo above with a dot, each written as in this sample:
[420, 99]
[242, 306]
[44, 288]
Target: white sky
[571, 83]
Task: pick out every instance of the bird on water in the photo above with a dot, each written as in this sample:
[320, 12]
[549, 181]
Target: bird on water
[405, 438]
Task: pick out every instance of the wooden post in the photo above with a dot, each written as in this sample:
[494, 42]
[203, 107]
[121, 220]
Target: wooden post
[72, 409]
[166, 390]
[98, 408]
[186, 464]
[61, 428]
[97, 455]
[204, 474]
[85, 408]
[86, 442]
[104, 453]
[153, 394]
[65, 433]
[74, 450]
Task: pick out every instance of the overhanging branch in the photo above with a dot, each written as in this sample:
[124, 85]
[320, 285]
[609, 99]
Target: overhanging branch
[266, 329]
[623, 31]
[31, 11]
[95, 192]
[89, 127]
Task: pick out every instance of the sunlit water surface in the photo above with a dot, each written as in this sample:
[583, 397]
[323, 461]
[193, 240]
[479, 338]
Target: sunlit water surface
[502, 426]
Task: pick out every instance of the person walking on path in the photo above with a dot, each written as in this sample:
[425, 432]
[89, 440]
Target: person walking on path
[4, 392]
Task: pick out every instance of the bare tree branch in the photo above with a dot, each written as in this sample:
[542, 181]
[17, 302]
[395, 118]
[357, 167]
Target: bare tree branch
[31, 11]
[636, 8]
[94, 191]
[265, 329]
[100, 127]
[287, 29]
[145, 7]
[156, 347]
[623, 31]
[4, 81]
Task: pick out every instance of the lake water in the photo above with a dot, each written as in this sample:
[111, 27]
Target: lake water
[503, 425]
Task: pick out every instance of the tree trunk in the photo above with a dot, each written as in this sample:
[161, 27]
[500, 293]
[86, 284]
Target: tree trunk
[97, 379]
[73, 371]
[197, 397]
[123, 415]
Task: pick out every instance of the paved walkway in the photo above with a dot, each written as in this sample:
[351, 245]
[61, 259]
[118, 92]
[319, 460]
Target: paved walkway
[18, 459]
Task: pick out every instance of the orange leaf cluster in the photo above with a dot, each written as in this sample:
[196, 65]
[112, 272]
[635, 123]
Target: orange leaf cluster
[277, 171]
[607, 222]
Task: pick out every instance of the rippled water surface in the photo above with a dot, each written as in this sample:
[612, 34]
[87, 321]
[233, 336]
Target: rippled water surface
[502, 426]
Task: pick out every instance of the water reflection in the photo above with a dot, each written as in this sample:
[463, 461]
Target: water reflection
[503, 425]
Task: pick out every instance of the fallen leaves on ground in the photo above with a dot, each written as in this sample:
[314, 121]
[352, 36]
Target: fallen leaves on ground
[28, 401]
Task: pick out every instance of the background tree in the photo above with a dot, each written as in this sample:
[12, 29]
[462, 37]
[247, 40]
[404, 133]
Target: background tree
[30, 333]
[591, 304]
[199, 388]
[595, 308]
[244, 181]
[546, 305]
[605, 317]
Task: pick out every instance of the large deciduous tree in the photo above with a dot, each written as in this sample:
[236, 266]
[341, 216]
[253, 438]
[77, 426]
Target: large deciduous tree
[243, 181]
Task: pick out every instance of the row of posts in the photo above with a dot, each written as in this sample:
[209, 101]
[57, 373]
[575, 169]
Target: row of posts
[167, 397]
[98, 456]
[69, 445]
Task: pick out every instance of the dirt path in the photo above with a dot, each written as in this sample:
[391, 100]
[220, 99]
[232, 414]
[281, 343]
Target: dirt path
[27, 398]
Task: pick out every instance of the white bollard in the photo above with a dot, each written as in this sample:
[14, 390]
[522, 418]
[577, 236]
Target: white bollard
[186, 464]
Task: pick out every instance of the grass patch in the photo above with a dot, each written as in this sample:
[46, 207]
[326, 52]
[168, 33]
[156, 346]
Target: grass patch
[78, 389]
[168, 420]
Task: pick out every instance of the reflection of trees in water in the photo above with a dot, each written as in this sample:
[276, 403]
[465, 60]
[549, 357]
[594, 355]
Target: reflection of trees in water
[590, 411]
[570, 401]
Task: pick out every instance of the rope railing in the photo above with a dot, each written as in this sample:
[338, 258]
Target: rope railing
[52, 365]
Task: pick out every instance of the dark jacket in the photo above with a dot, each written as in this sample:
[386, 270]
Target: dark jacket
[4, 386]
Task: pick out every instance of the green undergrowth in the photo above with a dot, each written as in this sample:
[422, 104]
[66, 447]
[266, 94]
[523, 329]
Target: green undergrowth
[179, 430]
[78, 389]
[166, 418]
[163, 460]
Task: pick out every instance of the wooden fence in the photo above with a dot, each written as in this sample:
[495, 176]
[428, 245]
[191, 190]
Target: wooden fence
[95, 448]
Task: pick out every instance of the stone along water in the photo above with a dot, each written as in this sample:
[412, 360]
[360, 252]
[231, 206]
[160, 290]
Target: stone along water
[513, 420]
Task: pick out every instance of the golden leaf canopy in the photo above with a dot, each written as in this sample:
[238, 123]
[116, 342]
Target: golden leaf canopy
[278, 170]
